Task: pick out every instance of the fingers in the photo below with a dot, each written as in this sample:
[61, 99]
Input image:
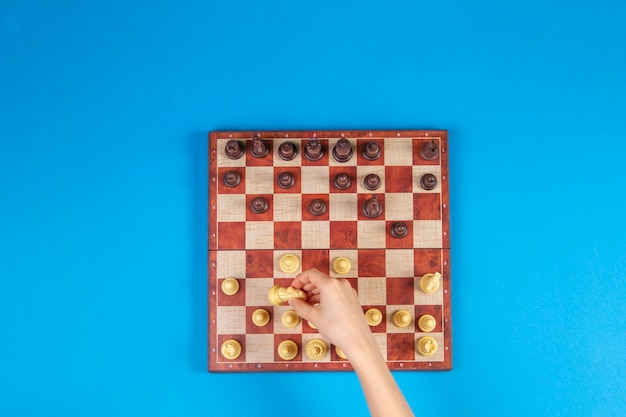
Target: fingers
[304, 309]
[309, 279]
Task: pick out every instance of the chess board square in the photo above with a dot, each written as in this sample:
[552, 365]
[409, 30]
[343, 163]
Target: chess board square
[259, 180]
[259, 264]
[433, 310]
[382, 326]
[398, 206]
[372, 291]
[427, 206]
[391, 310]
[287, 235]
[232, 208]
[279, 327]
[421, 170]
[231, 300]
[360, 143]
[400, 290]
[231, 319]
[371, 262]
[361, 201]
[399, 263]
[422, 298]
[343, 207]
[260, 348]
[363, 171]
[278, 273]
[252, 161]
[398, 152]
[257, 291]
[400, 347]
[417, 157]
[241, 338]
[316, 259]
[398, 179]
[315, 179]
[371, 234]
[332, 161]
[297, 178]
[381, 338]
[231, 235]
[352, 255]
[427, 261]
[306, 338]
[223, 160]
[280, 162]
[343, 235]
[259, 235]
[306, 201]
[315, 235]
[297, 338]
[402, 242]
[231, 263]
[323, 161]
[287, 207]
[427, 234]
[257, 217]
[438, 356]
[223, 188]
[253, 328]
[336, 170]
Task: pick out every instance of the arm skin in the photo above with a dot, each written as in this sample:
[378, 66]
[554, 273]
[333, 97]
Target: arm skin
[340, 320]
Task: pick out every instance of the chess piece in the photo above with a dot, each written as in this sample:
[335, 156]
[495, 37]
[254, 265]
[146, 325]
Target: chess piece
[287, 349]
[313, 150]
[371, 151]
[290, 319]
[342, 151]
[317, 207]
[430, 150]
[371, 182]
[402, 318]
[428, 182]
[258, 148]
[233, 149]
[372, 207]
[287, 151]
[259, 205]
[289, 263]
[231, 179]
[340, 353]
[342, 265]
[231, 349]
[342, 181]
[260, 317]
[230, 286]
[430, 283]
[315, 349]
[426, 346]
[399, 230]
[373, 316]
[427, 323]
[286, 180]
[278, 295]
[311, 325]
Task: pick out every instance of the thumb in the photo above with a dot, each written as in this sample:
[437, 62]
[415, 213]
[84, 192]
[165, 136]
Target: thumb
[304, 309]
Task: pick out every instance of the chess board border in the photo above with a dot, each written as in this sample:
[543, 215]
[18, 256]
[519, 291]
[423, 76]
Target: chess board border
[333, 365]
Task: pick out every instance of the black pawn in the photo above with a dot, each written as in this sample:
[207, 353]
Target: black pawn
[258, 147]
[231, 179]
[286, 180]
[428, 182]
[342, 181]
[313, 149]
[287, 151]
[371, 151]
[372, 207]
[371, 182]
[399, 230]
[430, 150]
[259, 205]
[342, 151]
[233, 149]
[317, 207]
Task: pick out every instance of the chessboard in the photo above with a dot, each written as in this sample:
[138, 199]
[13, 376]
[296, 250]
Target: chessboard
[368, 206]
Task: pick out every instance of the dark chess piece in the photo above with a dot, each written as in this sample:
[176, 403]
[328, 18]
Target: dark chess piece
[233, 149]
[286, 180]
[342, 152]
[428, 182]
[371, 151]
[258, 147]
[342, 181]
[317, 207]
[259, 205]
[372, 207]
[231, 179]
[399, 230]
[287, 151]
[313, 149]
[371, 182]
[430, 150]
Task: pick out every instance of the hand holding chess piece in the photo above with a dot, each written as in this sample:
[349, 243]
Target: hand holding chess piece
[279, 295]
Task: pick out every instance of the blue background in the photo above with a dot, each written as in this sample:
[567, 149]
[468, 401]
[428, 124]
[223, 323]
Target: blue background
[104, 113]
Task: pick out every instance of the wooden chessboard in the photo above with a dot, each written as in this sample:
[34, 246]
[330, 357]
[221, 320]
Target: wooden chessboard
[385, 270]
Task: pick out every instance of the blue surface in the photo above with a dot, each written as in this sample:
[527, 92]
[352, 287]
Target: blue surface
[104, 114]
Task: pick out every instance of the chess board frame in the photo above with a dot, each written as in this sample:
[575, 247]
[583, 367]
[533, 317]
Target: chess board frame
[430, 254]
